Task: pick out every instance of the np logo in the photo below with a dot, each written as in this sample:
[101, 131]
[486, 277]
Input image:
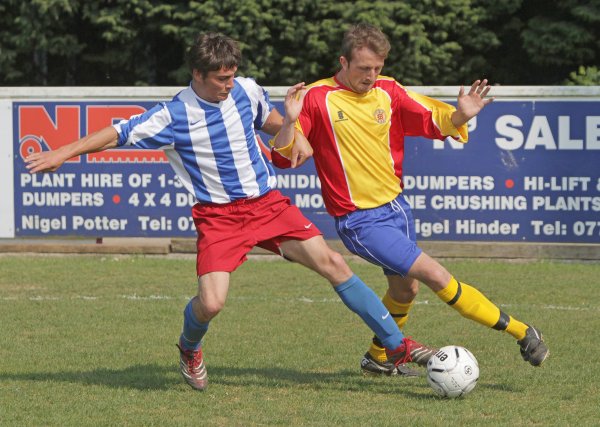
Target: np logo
[30, 144]
[380, 116]
[340, 116]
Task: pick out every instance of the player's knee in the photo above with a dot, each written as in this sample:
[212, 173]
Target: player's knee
[413, 288]
[335, 269]
[437, 279]
[402, 289]
[410, 291]
[338, 263]
[335, 259]
[210, 308]
[210, 312]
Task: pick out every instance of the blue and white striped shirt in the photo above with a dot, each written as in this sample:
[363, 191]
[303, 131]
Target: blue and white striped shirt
[212, 147]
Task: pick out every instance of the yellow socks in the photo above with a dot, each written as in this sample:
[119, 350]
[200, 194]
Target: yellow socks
[399, 312]
[465, 299]
[472, 304]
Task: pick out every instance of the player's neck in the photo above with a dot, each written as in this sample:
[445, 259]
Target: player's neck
[341, 78]
[200, 93]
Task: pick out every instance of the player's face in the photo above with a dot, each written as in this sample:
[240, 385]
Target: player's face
[215, 87]
[360, 73]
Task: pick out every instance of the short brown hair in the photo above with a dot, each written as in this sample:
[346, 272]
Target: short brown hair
[213, 51]
[365, 35]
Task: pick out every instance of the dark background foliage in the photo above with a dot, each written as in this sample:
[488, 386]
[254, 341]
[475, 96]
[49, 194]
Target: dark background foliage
[434, 42]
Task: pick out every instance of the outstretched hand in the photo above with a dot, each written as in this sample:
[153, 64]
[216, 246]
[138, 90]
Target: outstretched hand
[44, 161]
[470, 104]
[49, 161]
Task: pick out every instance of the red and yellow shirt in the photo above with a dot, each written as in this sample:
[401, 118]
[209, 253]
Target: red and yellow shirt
[358, 139]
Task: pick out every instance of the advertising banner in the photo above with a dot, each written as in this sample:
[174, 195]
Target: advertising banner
[529, 173]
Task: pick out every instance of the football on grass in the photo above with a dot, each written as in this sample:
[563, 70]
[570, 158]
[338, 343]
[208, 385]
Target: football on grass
[453, 371]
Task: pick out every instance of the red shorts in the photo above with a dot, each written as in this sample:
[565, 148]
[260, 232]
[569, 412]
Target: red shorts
[227, 232]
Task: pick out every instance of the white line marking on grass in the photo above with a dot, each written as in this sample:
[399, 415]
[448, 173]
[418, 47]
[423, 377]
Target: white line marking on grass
[294, 300]
[146, 298]
[310, 300]
[567, 308]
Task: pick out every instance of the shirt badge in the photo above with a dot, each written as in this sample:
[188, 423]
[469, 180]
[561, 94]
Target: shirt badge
[379, 115]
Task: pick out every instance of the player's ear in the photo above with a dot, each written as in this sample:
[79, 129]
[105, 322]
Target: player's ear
[197, 75]
[343, 62]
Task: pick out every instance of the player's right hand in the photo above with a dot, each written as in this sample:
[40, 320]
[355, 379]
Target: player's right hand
[44, 161]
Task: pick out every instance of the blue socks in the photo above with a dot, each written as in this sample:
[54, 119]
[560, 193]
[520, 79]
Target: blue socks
[357, 296]
[193, 330]
[361, 299]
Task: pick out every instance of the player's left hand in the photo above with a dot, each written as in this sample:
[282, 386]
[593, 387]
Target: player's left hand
[471, 103]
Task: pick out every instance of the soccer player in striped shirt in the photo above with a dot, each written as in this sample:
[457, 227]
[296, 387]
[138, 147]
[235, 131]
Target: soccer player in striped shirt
[208, 134]
[355, 122]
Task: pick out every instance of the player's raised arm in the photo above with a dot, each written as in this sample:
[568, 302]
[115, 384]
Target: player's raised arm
[49, 161]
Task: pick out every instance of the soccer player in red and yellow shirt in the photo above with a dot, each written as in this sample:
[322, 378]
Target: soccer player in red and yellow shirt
[355, 123]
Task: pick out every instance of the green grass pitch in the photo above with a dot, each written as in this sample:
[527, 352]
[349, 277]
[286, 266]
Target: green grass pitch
[90, 341]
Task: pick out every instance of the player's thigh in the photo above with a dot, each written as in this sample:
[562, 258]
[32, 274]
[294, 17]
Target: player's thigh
[427, 270]
[223, 239]
[315, 254]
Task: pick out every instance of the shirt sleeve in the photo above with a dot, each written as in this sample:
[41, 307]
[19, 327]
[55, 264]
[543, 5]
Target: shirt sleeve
[264, 107]
[151, 129]
[259, 97]
[281, 157]
[428, 117]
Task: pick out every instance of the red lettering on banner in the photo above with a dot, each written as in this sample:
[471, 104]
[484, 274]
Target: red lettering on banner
[100, 116]
[39, 131]
[36, 124]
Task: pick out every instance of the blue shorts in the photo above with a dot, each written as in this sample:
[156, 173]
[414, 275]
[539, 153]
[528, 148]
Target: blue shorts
[384, 236]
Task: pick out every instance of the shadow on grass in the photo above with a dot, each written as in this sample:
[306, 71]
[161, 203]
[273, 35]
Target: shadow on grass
[159, 377]
[139, 377]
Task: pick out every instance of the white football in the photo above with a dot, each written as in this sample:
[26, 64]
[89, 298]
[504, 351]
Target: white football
[453, 371]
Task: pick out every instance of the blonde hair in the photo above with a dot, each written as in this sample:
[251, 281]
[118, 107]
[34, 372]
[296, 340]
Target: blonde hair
[365, 35]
